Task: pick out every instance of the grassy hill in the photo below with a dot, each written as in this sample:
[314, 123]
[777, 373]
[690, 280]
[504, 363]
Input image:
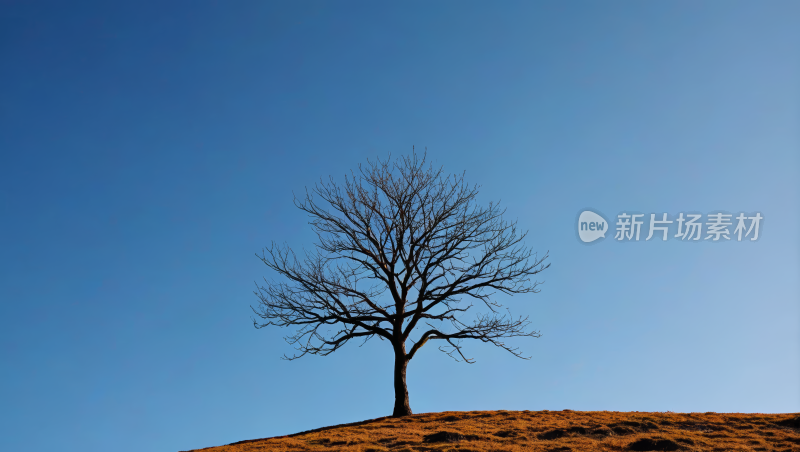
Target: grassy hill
[553, 431]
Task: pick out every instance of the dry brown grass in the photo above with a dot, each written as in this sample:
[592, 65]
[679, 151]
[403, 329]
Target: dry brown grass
[553, 431]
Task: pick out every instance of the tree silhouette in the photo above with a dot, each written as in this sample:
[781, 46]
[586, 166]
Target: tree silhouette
[401, 246]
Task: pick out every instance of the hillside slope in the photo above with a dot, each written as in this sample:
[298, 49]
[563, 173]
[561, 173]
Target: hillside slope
[553, 431]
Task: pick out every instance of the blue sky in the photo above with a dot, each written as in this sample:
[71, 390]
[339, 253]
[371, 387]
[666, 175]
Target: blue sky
[148, 151]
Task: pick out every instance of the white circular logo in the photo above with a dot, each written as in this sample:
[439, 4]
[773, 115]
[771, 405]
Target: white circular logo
[591, 226]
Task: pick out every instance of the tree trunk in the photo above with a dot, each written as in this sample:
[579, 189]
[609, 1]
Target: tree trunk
[401, 405]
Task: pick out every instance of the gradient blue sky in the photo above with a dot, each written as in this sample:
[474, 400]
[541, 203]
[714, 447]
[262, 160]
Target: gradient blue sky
[148, 150]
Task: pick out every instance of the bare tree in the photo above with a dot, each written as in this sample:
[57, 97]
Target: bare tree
[400, 245]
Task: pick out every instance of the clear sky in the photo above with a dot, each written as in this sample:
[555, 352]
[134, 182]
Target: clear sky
[149, 150]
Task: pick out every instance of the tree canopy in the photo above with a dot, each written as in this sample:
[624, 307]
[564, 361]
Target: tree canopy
[404, 251]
